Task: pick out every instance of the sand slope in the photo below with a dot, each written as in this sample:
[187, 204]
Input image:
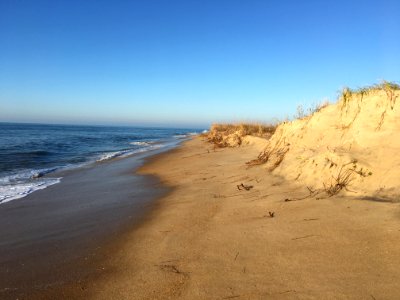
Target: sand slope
[357, 138]
[209, 240]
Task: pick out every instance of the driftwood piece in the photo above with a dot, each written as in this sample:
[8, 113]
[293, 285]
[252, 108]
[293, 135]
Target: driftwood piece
[244, 187]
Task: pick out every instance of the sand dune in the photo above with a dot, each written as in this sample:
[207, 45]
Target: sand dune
[350, 147]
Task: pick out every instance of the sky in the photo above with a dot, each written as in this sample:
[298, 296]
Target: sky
[187, 62]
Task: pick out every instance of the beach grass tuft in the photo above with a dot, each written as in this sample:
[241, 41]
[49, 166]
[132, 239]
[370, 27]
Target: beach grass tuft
[231, 134]
[243, 129]
[389, 87]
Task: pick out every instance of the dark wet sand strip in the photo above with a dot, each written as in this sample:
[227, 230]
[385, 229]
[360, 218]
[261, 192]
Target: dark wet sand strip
[58, 236]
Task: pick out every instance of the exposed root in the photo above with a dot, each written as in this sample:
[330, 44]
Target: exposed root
[312, 194]
[346, 127]
[390, 88]
[280, 155]
[279, 151]
[340, 182]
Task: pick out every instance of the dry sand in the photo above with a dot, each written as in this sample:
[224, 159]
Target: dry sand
[356, 137]
[208, 240]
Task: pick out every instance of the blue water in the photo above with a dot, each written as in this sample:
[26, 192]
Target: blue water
[30, 153]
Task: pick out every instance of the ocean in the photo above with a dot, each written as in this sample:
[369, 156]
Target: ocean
[32, 154]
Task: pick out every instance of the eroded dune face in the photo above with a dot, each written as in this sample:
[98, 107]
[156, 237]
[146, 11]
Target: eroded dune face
[352, 146]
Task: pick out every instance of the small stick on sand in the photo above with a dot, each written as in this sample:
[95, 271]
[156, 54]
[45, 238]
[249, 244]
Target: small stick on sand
[171, 268]
[237, 254]
[230, 297]
[303, 237]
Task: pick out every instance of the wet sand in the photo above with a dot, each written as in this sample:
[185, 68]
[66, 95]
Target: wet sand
[58, 236]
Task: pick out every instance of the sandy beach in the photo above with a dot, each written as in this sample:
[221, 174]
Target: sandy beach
[308, 209]
[199, 150]
[210, 239]
[57, 236]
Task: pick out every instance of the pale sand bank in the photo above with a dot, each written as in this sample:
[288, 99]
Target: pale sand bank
[354, 141]
[208, 240]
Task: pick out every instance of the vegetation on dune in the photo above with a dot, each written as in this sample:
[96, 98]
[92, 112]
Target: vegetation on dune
[350, 103]
[260, 130]
[348, 96]
[230, 135]
[302, 113]
[384, 85]
[389, 87]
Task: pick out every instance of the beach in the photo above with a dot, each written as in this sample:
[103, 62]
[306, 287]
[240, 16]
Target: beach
[67, 193]
[209, 238]
[199, 150]
[306, 209]
[59, 235]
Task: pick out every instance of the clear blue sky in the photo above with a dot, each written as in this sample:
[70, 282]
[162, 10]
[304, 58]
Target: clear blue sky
[188, 62]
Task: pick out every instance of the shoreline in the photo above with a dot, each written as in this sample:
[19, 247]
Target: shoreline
[206, 239]
[47, 250]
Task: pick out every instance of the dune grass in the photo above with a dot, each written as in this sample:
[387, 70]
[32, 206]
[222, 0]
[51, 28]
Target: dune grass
[389, 87]
[243, 129]
[231, 134]
[302, 113]
[347, 95]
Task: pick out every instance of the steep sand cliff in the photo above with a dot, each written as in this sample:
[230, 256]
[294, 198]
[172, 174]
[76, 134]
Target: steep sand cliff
[349, 147]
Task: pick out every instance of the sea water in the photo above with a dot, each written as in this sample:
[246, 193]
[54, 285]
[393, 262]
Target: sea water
[31, 154]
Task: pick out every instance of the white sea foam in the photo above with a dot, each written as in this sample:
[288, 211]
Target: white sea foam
[10, 192]
[25, 182]
[141, 143]
[111, 155]
[186, 135]
[124, 153]
[26, 175]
